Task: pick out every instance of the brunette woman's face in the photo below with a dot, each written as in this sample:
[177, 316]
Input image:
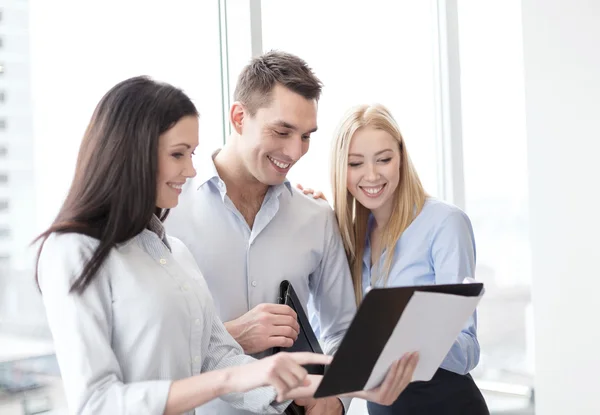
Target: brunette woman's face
[175, 149]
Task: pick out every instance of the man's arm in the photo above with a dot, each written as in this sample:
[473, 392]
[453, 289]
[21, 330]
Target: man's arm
[332, 289]
[333, 299]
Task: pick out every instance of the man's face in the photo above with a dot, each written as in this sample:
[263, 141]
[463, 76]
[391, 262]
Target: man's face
[277, 136]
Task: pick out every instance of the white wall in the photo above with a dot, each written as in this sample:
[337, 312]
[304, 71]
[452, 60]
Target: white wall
[562, 83]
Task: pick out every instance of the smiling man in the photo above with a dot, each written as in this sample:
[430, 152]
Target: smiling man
[249, 229]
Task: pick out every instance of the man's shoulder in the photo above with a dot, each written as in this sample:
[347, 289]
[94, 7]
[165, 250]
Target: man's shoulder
[308, 205]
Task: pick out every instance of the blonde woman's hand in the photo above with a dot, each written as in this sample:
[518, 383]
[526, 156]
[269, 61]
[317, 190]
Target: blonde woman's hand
[315, 194]
[396, 380]
[283, 371]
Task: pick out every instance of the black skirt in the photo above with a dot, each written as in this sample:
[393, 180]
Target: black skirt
[447, 393]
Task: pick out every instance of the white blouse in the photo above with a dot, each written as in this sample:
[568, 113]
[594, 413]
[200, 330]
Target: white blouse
[146, 320]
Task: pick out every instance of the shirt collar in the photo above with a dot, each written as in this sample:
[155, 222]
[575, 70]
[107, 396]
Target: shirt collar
[156, 226]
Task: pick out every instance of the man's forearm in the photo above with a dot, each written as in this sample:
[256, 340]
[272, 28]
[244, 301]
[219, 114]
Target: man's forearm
[232, 328]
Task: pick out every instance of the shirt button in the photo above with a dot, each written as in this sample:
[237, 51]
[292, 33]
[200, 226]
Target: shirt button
[197, 321]
[254, 283]
[163, 261]
[185, 287]
[197, 359]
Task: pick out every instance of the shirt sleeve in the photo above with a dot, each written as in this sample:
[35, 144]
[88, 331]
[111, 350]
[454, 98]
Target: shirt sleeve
[81, 326]
[332, 292]
[224, 351]
[453, 255]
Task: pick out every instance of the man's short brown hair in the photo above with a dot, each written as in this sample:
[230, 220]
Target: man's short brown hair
[259, 77]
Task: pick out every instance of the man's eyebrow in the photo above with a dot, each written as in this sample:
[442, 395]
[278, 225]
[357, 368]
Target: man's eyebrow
[289, 126]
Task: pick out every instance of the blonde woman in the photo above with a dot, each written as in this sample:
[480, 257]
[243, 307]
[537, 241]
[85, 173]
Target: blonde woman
[396, 235]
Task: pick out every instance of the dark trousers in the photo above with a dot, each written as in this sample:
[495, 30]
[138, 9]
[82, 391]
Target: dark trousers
[447, 393]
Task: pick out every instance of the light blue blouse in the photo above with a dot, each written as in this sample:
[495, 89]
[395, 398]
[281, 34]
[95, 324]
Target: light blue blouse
[437, 248]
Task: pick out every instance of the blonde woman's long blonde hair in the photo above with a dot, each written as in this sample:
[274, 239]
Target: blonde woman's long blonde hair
[351, 215]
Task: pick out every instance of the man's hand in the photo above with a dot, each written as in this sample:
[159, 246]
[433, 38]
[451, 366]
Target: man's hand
[264, 327]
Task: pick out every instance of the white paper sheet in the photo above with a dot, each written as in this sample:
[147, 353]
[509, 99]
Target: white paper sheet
[430, 324]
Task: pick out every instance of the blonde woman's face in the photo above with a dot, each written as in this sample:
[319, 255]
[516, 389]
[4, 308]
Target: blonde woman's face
[373, 168]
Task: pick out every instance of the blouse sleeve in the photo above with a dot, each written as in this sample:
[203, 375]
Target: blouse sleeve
[453, 255]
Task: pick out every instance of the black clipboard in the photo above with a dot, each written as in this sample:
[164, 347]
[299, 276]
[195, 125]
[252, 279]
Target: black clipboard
[364, 341]
[307, 340]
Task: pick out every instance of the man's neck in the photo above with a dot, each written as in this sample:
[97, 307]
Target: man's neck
[232, 171]
[244, 191]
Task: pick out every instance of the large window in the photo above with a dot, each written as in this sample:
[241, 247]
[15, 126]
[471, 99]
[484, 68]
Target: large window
[364, 53]
[495, 168]
[59, 58]
[375, 52]
[178, 43]
[68, 65]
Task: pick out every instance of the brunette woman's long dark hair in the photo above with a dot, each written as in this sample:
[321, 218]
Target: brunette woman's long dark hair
[113, 194]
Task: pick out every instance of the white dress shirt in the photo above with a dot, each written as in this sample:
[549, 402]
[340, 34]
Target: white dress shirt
[294, 237]
[146, 320]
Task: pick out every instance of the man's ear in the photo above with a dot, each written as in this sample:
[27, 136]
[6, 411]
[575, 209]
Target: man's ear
[237, 115]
